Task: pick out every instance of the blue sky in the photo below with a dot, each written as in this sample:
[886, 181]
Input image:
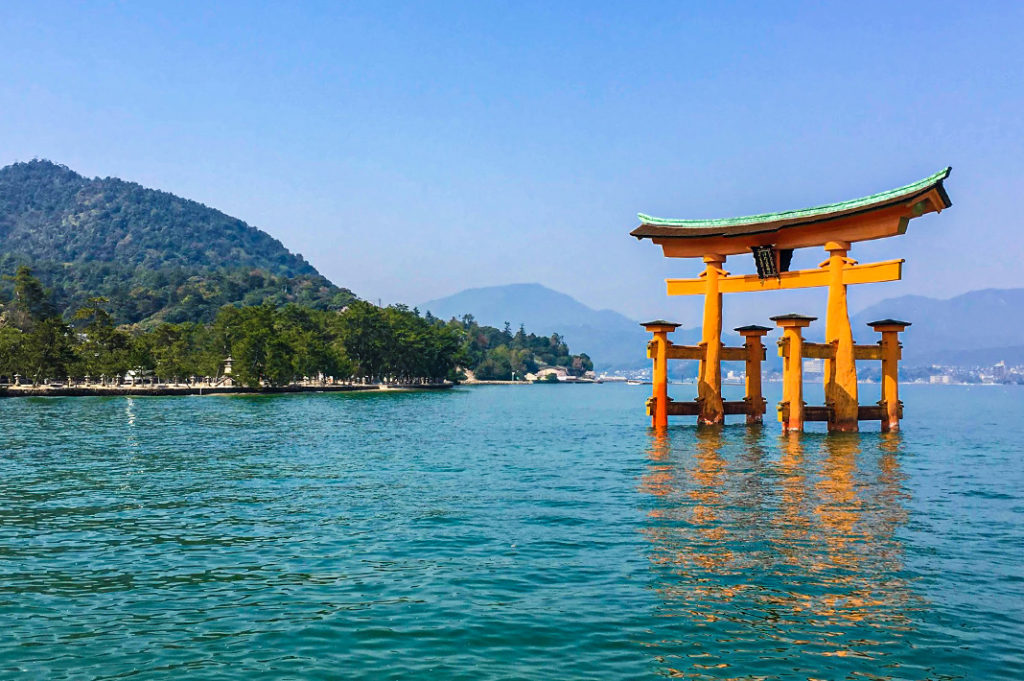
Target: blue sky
[413, 150]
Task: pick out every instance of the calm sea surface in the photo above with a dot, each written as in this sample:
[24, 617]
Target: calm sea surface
[506, 533]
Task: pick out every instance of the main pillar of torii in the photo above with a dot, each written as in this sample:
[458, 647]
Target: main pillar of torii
[772, 238]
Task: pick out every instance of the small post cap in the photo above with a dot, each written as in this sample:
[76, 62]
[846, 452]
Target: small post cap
[793, 319]
[880, 324]
[660, 323]
[752, 330]
[792, 316]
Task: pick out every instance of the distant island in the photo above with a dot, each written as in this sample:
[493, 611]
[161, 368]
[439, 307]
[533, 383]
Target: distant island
[105, 281]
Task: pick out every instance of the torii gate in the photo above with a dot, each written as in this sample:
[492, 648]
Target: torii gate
[772, 238]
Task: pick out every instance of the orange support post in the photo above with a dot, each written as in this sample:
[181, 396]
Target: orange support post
[891, 352]
[755, 355]
[840, 371]
[709, 381]
[659, 373]
[791, 409]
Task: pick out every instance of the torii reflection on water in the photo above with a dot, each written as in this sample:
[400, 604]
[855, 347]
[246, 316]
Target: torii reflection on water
[784, 546]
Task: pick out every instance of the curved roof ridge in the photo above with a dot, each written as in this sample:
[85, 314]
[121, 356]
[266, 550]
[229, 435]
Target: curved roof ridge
[816, 211]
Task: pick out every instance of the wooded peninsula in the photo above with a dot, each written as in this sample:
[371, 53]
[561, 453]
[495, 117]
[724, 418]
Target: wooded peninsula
[269, 346]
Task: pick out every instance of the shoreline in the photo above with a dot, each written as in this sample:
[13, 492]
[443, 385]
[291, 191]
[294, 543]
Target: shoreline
[182, 390]
[474, 382]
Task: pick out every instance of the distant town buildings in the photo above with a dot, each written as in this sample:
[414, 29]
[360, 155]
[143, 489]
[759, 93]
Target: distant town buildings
[999, 373]
[814, 367]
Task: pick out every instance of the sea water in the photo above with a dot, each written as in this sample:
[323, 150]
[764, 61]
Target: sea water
[537, 532]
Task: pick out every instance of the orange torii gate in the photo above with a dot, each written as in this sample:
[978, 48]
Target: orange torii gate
[772, 239]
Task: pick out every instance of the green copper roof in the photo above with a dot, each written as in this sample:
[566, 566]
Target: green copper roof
[793, 216]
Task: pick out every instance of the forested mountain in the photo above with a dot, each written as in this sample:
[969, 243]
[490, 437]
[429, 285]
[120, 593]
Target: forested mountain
[153, 255]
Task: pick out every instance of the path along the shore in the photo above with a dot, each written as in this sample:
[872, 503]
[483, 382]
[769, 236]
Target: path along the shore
[200, 389]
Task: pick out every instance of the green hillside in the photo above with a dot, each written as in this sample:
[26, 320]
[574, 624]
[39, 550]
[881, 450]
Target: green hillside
[155, 256]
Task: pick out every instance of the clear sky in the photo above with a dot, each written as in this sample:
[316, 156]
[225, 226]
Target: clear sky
[410, 150]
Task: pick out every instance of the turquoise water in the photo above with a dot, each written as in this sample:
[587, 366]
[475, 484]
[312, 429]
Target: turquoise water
[505, 533]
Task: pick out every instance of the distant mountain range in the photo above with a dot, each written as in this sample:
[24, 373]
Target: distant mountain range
[154, 255]
[612, 340]
[977, 328]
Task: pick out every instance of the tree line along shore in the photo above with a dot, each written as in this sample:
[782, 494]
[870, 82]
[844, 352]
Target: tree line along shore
[287, 348]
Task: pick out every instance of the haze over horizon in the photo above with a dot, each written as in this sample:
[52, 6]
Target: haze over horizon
[412, 152]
